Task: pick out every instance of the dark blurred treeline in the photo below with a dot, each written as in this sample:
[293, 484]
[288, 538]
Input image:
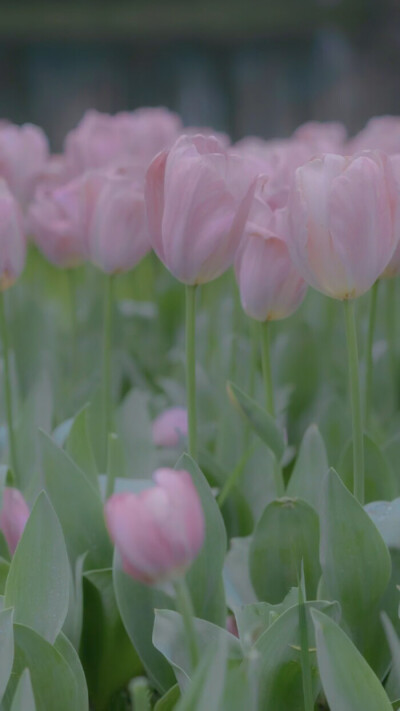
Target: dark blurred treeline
[244, 67]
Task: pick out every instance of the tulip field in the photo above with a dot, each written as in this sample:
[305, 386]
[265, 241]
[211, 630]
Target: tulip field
[199, 418]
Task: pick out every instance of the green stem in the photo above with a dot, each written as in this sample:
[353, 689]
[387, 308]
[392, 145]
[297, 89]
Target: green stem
[354, 377]
[266, 367]
[107, 348]
[7, 389]
[185, 607]
[191, 368]
[391, 334]
[370, 344]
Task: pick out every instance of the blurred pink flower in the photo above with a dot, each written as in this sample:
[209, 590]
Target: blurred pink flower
[197, 207]
[341, 232]
[12, 238]
[170, 426]
[393, 268]
[24, 152]
[231, 625]
[13, 517]
[322, 136]
[381, 133]
[270, 286]
[160, 531]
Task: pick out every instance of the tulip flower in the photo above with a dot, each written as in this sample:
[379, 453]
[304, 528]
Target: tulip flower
[170, 426]
[14, 514]
[23, 154]
[160, 531]
[381, 133]
[322, 137]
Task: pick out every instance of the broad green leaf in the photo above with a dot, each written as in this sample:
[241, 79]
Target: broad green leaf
[277, 665]
[261, 421]
[107, 654]
[205, 575]
[68, 651]
[252, 620]
[238, 587]
[38, 581]
[6, 648]
[286, 535]
[23, 699]
[53, 681]
[169, 637]
[393, 682]
[348, 682]
[73, 622]
[134, 428]
[78, 506]
[136, 603]
[169, 700]
[79, 447]
[356, 567]
[35, 414]
[380, 483]
[309, 470]
[206, 690]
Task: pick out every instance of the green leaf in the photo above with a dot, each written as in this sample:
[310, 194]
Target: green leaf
[69, 653]
[169, 700]
[35, 414]
[356, 567]
[136, 604]
[309, 470]
[380, 483]
[348, 682]
[141, 456]
[107, 654]
[4, 568]
[286, 534]
[207, 687]
[73, 622]
[6, 648]
[38, 581]
[78, 506]
[23, 699]
[204, 577]
[393, 681]
[261, 421]
[79, 447]
[252, 620]
[169, 636]
[238, 587]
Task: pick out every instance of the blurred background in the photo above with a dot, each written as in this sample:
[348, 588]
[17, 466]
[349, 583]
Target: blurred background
[243, 66]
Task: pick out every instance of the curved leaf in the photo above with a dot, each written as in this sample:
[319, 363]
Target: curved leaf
[259, 419]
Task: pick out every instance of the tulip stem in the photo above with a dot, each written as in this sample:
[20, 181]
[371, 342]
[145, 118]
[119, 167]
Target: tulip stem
[191, 368]
[369, 359]
[185, 607]
[391, 335]
[354, 378]
[107, 346]
[72, 313]
[266, 367]
[7, 389]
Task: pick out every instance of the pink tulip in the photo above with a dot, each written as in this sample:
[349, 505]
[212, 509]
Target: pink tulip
[197, 206]
[393, 268]
[23, 154]
[12, 238]
[170, 426]
[270, 286]
[341, 233]
[13, 517]
[101, 140]
[381, 133]
[160, 531]
[322, 137]
[231, 625]
[118, 234]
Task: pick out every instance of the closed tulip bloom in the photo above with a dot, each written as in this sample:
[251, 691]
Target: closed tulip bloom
[170, 426]
[270, 286]
[12, 238]
[13, 517]
[160, 531]
[341, 234]
[322, 137]
[393, 268]
[23, 154]
[197, 208]
[381, 133]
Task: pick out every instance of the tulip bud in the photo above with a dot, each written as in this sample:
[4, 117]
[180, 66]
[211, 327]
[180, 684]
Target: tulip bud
[160, 531]
[12, 238]
[13, 517]
[341, 233]
[196, 208]
[170, 426]
[270, 286]
[393, 268]
[23, 154]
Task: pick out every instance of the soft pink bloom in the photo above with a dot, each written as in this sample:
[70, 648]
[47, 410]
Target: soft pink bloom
[322, 137]
[160, 531]
[23, 153]
[341, 232]
[12, 238]
[270, 286]
[101, 140]
[118, 235]
[393, 268]
[231, 625]
[381, 133]
[222, 137]
[13, 517]
[197, 206]
[170, 426]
